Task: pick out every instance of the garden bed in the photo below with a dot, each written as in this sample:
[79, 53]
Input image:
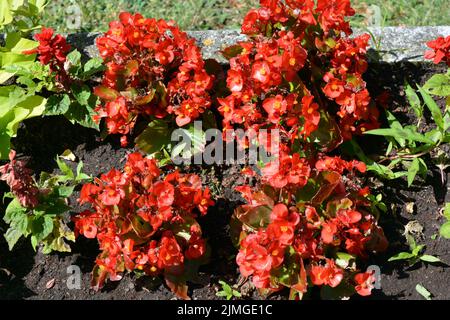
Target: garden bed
[29, 275]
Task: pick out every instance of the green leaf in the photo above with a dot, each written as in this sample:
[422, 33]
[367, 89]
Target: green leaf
[343, 259]
[225, 286]
[92, 67]
[328, 135]
[154, 138]
[65, 169]
[445, 230]
[13, 110]
[82, 115]
[6, 16]
[57, 104]
[434, 108]
[14, 211]
[65, 191]
[438, 85]
[412, 171]
[16, 44]
[401, 256]
[74, 58]
[254, 217]
[196, 138]
[80, 175]
[41, 227]
[423, 292]
[56, 240]
[12, 235]
[417, 249]
[405, 133]
[83, 95]
[106, 93]
[447, 211]
[57, 208]
[414, 101]
[430, 259]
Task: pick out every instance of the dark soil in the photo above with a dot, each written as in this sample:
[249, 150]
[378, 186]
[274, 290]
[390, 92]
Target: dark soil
[25, 274]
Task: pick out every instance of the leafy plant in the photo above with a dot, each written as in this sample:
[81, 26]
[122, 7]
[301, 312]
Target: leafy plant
[299, 236]
[19, 101]
[23, 15]
[407, 146]
[301, 74]
[145, 222]
[445, 228]
[415, 255]
[227, 291]
[158, 74]
[70, 94]
[36, 208]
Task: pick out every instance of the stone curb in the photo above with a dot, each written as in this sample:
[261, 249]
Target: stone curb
[389, 44]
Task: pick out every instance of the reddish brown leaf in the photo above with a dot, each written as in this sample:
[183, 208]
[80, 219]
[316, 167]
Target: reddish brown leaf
[232, 51]
[330, 180]
[50, 284]
[180, 289]
[106, 93]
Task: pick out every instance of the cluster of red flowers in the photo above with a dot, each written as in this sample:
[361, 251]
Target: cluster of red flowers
[440, 50]
[153, 69]
[330, 14]
[305, 235]
[345, 86]
[142, 220]
[295, 60]
[52, 51]
[20, 180]
[299, 75]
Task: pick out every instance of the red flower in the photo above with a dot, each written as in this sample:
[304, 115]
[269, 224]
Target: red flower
[275, 107]
[203, 200]
[333, 13]
[364, 283]
[88, 193]
[334, 88]
[165, 193]
[133, 208]
[196, 249]
[310, 114]
[154, 70]
[261, 72]
[338, 165]
[235, 81]
[329, 230]
[255, 21]
[52, 50]
[255, 259]
[170, 254]
[85, 225]
[281, 231]
[440, 50]
[288, 171]
[348, 217]
[329, 275]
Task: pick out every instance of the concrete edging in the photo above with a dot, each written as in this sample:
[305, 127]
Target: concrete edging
[396, 44]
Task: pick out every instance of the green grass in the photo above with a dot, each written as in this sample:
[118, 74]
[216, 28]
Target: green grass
[214, 14]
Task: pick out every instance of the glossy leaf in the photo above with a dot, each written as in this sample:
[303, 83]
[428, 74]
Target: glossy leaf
[154, 138]
[434, 109]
